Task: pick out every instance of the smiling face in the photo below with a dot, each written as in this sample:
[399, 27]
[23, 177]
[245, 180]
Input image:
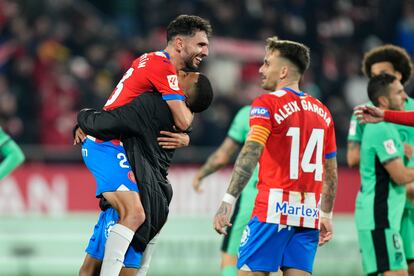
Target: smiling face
[272, 70]
[193, 49]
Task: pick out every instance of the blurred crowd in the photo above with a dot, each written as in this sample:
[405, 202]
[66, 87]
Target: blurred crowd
[57, 57]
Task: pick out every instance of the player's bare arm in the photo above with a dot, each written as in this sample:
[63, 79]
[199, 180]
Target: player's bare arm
[220, 158]
[398, 172]
[330, 184]
[352, 154]
[369, 114]
[329, 188]
[243, 170]
[182, 115]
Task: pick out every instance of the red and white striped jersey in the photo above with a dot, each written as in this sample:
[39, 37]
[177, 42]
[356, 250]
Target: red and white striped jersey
[150, 72]
[301, 137]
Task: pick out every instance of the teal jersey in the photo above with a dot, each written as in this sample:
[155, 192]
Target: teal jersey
[11, 153]
[355, 129]
[407, 137]
[238, 131]
[380, 202]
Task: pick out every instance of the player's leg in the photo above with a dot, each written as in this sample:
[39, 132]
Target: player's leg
[95, 250]
[300, 252]
[90, 266]
[407, 235]
[247, 273]
[231, 242]
[382, 252]
[116, 182]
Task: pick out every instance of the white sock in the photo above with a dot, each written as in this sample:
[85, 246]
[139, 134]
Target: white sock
[116, 246]
[146, 257]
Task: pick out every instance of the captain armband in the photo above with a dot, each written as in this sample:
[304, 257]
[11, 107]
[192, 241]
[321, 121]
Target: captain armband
[258, 134]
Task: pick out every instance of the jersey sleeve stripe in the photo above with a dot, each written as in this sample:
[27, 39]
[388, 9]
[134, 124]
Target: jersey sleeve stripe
[330, 155]
[258, 134]
[259, 140]
[170, 97]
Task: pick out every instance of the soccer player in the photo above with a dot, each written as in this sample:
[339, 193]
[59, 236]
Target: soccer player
[381, 199]
[292, 136]
[187, 45]
[388, 59]
[395, 61]
[11, 153]
[243, 210]
[138, 124]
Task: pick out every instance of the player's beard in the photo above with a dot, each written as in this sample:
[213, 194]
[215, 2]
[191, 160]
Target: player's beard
[189, 64]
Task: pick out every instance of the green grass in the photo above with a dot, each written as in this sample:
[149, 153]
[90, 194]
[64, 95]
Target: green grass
[39, 245]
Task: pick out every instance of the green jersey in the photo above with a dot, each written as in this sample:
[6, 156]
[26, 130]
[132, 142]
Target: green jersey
[238, 131]
[380, 202]
[355, 129]
[11, 153]
[406, 134]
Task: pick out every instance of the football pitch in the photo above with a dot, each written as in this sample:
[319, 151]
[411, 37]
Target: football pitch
[39, 245]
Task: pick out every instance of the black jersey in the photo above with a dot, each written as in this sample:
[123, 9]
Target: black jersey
[138, 125]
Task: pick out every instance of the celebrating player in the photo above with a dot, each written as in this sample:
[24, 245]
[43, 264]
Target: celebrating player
[138, 124]
[187, 45]
[292, 136]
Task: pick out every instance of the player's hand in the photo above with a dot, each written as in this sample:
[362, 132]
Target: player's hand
[368, 114]
[197, 183]
[326, 232]
[172, 140]
[408, 151]
[80, 136]
[222, 218]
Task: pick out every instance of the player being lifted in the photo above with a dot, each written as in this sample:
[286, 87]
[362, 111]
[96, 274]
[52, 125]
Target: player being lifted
[293, 138]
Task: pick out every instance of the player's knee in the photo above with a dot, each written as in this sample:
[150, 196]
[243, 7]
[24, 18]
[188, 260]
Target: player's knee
[134, 219]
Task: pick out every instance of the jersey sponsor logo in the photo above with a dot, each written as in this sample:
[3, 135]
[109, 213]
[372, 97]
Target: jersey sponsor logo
[259, 112]
[390, 146]
[173, 82]
[297, 210]
[245, 236]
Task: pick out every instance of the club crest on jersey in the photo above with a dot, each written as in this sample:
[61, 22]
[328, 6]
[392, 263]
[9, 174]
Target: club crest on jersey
[245, 236]
[390, 146]
[173, 82]
[259, 112]
[108, 227]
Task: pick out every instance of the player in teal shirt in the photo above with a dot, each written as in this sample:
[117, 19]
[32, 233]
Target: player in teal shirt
[395, 61]
[236, 136]
[381, 199]
[12, 155]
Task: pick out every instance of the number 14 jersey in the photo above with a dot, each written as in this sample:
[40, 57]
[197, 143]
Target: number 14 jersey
[291, 173]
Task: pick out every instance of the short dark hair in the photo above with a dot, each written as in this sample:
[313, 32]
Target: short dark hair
[203, 95]
[397, 56]
[295, 52]
[187, 25]
[379, 86]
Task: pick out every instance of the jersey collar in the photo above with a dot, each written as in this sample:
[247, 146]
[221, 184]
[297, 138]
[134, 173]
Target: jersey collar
[300, 93]
[166, 54]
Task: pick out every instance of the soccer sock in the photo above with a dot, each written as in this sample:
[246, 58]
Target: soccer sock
[146, 257]
[229, 271]
[116, 246]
